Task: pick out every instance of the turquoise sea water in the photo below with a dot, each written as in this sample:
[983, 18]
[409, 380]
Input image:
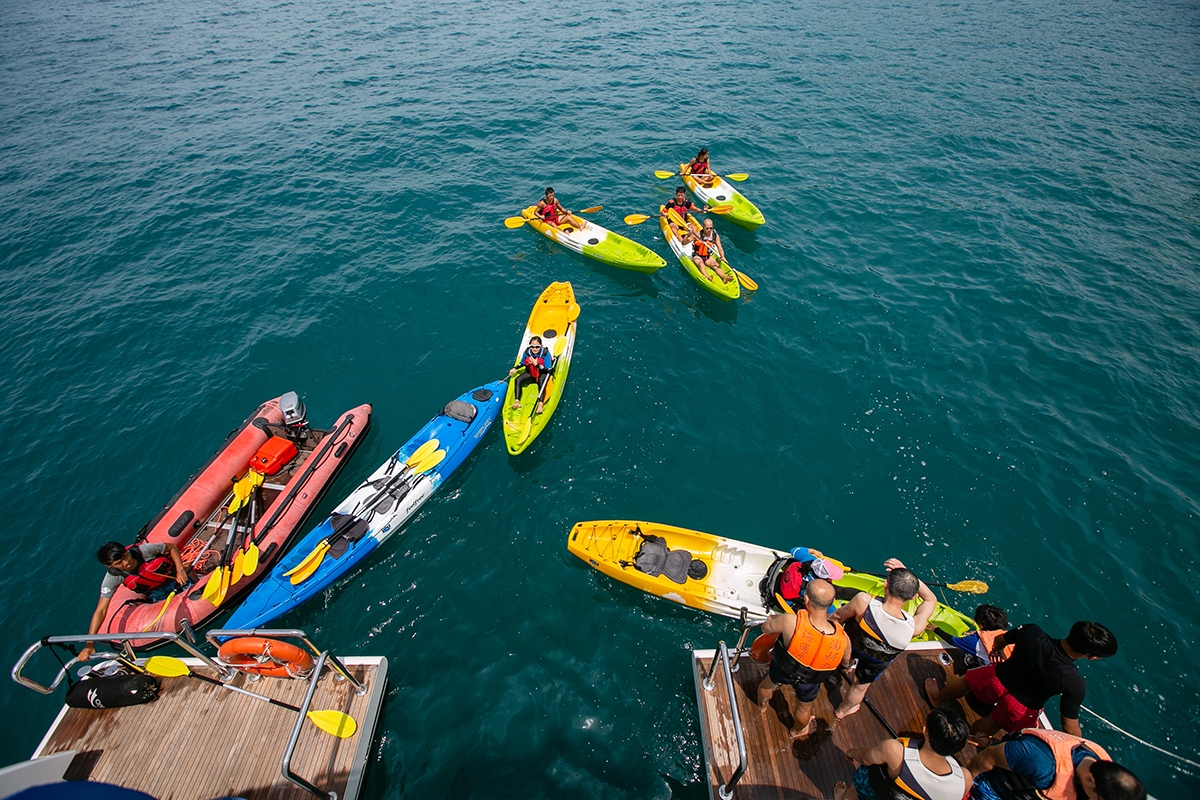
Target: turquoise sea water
[974, 346]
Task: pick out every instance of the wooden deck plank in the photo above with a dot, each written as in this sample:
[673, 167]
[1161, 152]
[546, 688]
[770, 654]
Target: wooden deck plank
[199, 741]
[808, 768]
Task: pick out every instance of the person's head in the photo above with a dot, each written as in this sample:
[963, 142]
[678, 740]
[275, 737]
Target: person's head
[114, 554]
[549, 192]
[1092, 640]
[902, 584]
[535, 343]
[703, 154]
[708, 224]
[946, 731]
[991, 618]
[818, 595]
[680, 193]
[1114, 782]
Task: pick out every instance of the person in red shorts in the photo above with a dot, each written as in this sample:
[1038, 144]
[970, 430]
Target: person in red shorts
[1040, 668]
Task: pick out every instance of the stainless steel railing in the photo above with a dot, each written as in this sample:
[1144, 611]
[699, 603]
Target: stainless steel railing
[725, 791]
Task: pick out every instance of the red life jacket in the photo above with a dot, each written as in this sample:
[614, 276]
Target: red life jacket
[150, 574]
[700, 167]
[550, 213]
[680, 208]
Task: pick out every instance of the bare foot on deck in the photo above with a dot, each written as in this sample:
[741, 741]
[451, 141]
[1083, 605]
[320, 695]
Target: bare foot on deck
[515, 406]
[843, 792]
[932, 692]
[805, 731]
[840, 714]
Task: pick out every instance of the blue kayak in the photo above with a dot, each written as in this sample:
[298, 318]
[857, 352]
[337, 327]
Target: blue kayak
[376, 509]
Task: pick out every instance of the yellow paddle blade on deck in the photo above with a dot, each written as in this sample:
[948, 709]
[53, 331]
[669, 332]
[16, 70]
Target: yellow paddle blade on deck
[308, 566]
[223, 587]
[514, 222]
[737, 176]
[239, 565]
[214, 584]
[250, 559]
[335, 723]
[636, 219]
[423, 451]
[166, 667]
[429, 462]
[664, 174]
[243, 488]
[970, 587]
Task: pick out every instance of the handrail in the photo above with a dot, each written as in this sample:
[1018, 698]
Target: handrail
[725, 790]
[286, 763]
[213, 638]
[168, 636]
[739, 649]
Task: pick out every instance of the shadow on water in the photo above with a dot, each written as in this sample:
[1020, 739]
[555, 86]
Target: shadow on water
[708, 306]
[745, 241]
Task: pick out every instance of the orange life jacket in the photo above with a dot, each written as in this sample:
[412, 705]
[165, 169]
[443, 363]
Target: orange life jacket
[988, 638]
[701, 248]
[1061, 744]
[810, 654]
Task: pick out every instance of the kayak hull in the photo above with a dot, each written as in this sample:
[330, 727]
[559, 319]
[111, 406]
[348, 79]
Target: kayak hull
[744, 213]
[553, 319]
[735, 570]
[723, 291]
[403, 493]
[599, 243]
[288, 496]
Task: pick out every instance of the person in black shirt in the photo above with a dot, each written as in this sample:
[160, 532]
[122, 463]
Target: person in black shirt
[1040, 668]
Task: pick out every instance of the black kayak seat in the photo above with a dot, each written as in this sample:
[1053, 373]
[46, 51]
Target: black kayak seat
[655, 558]
[463, 412]
[481, 395]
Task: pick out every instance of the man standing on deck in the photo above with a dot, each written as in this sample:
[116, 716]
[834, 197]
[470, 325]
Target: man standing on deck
[1051, 765]
[881, 630]
[809, 649]
[1039, 669]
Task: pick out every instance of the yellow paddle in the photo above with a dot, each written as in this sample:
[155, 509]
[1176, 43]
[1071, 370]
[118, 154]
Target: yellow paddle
[513, 223]
[638, 219]
[243, 488]
[305, 569]
[213, 588]
[335, 723]
[737, 176]
[784, 603]
[743, 279]
[161, 611]
[966, 587]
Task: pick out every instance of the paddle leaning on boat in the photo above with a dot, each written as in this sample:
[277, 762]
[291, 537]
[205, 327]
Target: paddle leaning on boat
[215, 539]
[537, 379]
[550, 219]
[376, 509]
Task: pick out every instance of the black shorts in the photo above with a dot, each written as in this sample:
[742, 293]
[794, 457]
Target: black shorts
[867, 670]
[805, 692]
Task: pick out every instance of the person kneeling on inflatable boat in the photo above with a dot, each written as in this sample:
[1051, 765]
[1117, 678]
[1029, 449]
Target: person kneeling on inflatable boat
[1052, 765]
[538, 364]
[907, 768]
[153, 570]
[808, 649]
[788, 577]
[880, 630]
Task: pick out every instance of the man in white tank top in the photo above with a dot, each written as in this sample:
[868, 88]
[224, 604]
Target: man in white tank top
[922, 769]
[880, 630]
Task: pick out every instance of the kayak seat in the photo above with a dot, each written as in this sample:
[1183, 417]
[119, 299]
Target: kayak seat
[463, 412]
[654, 558]
[481, 395]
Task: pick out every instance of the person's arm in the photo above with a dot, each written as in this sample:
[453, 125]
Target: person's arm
[889, 752]
[989, 759]
[181, 573]
[998, 645]
[97, 620]
[779, 623]
[1071, 726]
[855, 608]
[968, 782]
[928, 605]
[720, 249]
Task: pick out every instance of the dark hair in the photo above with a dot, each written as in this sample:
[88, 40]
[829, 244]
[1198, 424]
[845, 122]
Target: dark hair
[1092, 639]
[679, 189]
[1114, 782]
[991, 618]
[110, 552]
[902, 583]
[947, 731]
[549, 190]
[703, 152]
[539, 339]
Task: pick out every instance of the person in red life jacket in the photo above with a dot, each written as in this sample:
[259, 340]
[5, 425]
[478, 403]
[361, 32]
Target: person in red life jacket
[681, 206]
[904, 768]
[537, 363]
[706, 247]
[550, 211]
[154, 570]
[1038, 669]
[880, 630]
[809, 649]
[699, 166]
[1051, 765]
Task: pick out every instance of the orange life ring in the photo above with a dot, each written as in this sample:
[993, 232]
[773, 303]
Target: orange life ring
[269, 657]
[760, 651]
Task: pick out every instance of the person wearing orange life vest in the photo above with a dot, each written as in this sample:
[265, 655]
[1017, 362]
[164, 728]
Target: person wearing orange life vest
[919, 768]
[1038, 764]
[880, 630]
[550, 211]
[706, 247]
[810, 648]
[153, 570]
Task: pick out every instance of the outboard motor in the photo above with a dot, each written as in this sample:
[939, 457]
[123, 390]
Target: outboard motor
[295, 417]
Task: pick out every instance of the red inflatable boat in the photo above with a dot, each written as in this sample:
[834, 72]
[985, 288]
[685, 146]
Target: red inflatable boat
[251, 497]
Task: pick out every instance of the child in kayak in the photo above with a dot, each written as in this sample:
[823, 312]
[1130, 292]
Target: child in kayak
[699, 166]
[706, 247]
[537, 363]
[681, 206]
[550, 211]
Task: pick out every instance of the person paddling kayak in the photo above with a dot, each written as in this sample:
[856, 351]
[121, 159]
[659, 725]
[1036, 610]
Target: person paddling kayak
[552, 212]
[706, 248]
[153, 570]
[681, 206]
[699, 166]
[538, 363]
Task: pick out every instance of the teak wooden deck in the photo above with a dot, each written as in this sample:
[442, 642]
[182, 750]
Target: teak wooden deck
[779, 768]
[199, 741]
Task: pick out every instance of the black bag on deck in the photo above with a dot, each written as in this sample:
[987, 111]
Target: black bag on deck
[113, 691]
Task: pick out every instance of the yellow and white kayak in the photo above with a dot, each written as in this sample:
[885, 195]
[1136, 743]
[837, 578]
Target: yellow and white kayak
[712, 573]
[592, 240]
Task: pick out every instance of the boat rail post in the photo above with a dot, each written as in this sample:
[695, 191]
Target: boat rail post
[289, 751]
[725, 790]
[737, 651]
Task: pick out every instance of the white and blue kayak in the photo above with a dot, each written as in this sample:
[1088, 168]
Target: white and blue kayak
[376, 509]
